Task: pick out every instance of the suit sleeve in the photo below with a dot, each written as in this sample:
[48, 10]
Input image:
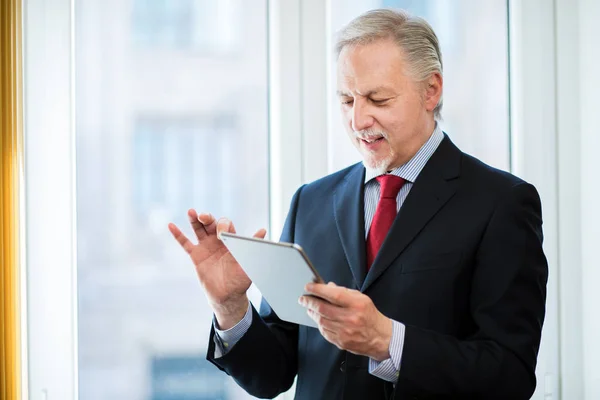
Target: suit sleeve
[508, 297]
[264, 361]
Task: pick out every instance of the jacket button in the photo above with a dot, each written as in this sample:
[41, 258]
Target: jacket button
[343, 366]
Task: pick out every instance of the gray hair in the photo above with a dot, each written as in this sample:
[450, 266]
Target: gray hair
[413, 35]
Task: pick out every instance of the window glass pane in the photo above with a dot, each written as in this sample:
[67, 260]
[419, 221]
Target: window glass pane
[474, 44]
[171, 113]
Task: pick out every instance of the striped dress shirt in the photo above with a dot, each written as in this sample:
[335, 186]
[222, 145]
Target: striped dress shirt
[389, 368]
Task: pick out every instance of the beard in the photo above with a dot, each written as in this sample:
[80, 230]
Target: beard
[371, 159]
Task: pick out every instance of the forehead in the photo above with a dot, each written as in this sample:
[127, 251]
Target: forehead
[363, 68]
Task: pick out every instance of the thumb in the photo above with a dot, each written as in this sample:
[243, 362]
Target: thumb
[224, 225]
[260, 234]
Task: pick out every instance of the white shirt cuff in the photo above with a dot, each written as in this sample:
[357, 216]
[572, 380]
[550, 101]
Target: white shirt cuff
[389, 369]
[225, 340]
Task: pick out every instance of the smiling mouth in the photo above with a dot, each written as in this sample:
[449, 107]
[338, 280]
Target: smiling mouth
[369, 141]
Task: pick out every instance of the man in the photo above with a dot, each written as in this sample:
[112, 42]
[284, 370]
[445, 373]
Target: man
[440, 278]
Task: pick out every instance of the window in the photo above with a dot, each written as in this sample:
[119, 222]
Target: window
[142, 320]
[169, 171]
[158, 132]
[187, 378]
[209, 26]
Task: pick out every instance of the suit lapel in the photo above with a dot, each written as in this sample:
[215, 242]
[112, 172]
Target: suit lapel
[349, 218]
[435, 185]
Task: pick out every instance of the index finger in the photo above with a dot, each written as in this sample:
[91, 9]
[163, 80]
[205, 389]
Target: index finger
[337, 295]
[181, 238]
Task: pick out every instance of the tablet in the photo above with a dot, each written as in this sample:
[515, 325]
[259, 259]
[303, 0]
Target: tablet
[279, 270]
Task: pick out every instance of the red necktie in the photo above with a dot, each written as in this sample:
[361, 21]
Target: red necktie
[384, 214]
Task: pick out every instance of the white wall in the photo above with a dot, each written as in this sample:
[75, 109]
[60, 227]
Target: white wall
[589, 79]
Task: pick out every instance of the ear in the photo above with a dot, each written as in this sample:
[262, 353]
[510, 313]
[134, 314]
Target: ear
[433, 91]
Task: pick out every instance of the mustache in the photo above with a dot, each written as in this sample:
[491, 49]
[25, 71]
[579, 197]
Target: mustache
[370, 134]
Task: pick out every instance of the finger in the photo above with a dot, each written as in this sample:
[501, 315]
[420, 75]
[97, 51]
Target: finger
[180, 237]
[331, 325]
[197, 227]
[322, 307]
[224, 225]
[332, 335]
[260, 234]
[337, 295]
[209, 222]
[329, 334]
[319, 320]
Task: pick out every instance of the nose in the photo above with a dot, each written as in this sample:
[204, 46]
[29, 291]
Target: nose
[361, 116]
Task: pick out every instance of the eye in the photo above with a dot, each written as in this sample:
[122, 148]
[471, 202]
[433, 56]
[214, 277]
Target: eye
[347, 101]
[379, 101]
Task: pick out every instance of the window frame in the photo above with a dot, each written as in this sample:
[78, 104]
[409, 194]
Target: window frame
[50, 251]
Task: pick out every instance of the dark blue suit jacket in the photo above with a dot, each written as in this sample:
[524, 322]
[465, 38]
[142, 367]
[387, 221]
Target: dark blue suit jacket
[462, 267]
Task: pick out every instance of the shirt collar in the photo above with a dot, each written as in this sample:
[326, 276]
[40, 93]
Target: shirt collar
[411, 170]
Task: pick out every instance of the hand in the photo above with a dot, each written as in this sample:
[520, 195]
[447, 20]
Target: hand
[349, 319]
[223, 280]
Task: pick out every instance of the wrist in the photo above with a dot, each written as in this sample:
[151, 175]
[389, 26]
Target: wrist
[230, 313]
[384, 338]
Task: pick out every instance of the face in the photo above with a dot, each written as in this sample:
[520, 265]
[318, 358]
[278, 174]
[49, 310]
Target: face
[387, 114]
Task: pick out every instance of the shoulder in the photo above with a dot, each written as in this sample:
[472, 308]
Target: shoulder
[497, 185]
[476, 170]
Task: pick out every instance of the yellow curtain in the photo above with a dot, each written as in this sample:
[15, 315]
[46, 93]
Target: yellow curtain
[11, 167]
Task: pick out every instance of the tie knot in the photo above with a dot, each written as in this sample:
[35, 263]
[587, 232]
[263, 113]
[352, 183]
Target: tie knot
[390, 185]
